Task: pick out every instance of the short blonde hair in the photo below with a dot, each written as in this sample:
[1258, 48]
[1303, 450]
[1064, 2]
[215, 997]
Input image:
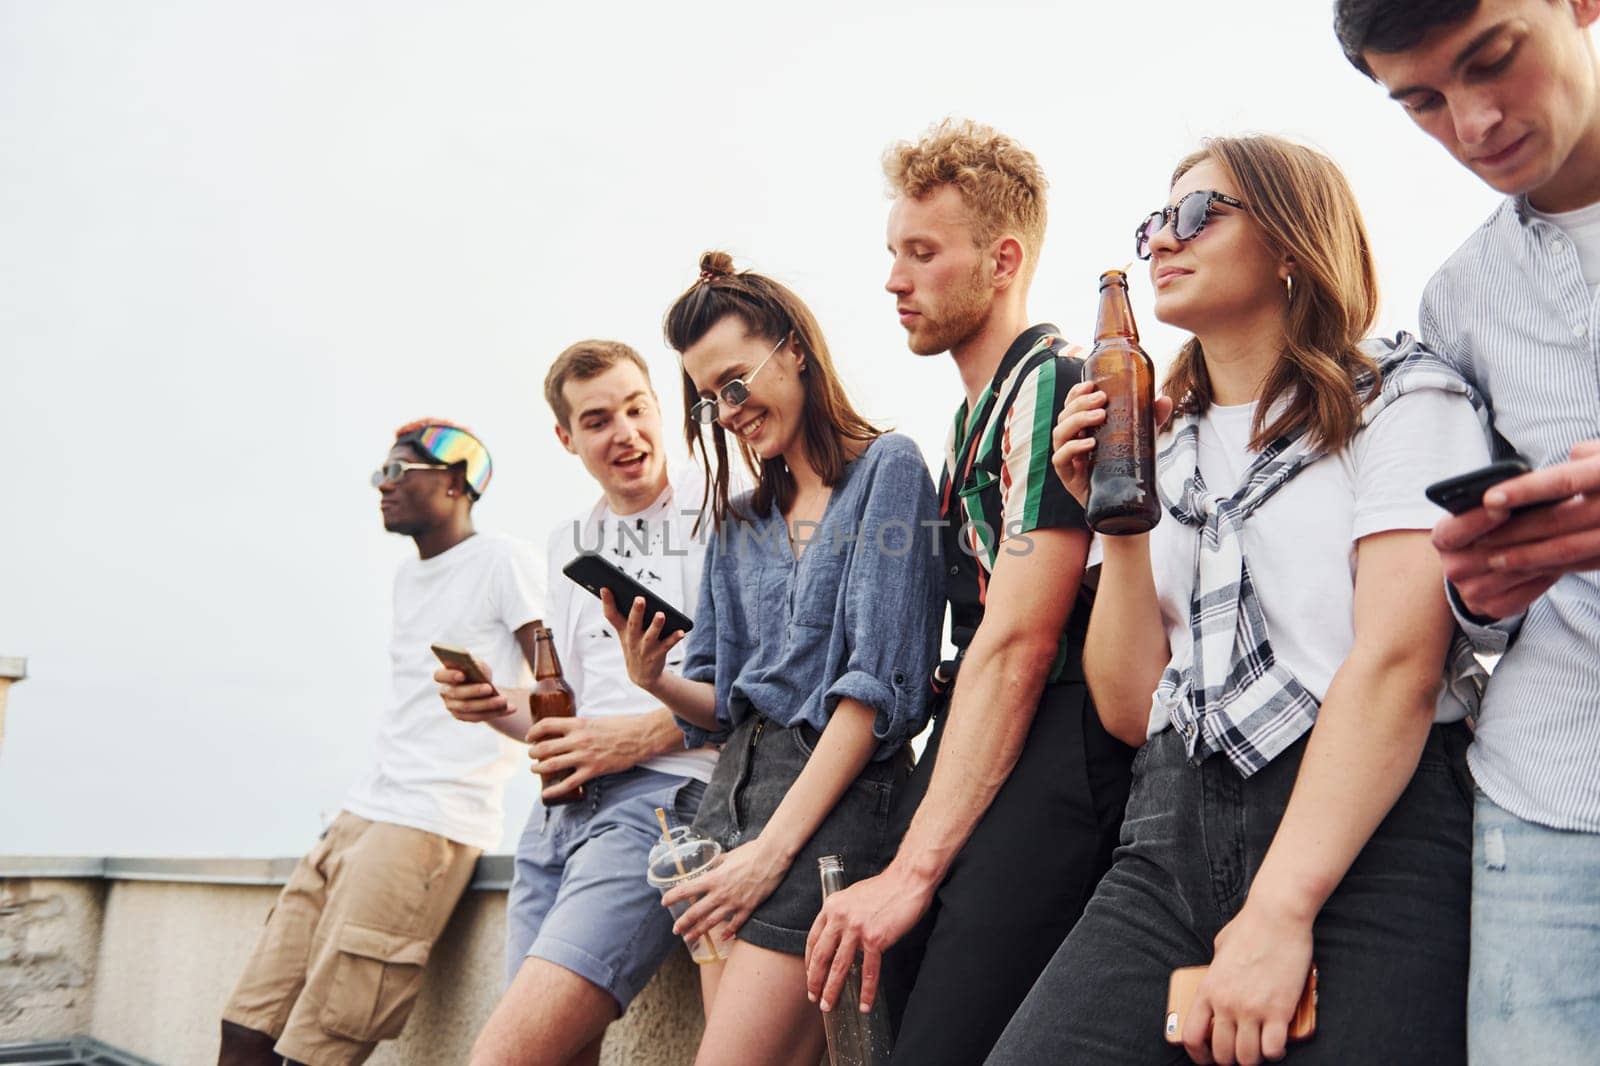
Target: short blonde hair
[1000, 181]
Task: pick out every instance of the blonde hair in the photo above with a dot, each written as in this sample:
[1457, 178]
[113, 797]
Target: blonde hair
[1001, 182]
[1302, 205]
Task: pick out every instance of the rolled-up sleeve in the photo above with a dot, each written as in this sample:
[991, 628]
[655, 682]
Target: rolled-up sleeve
[700, 652]
[893, 602]
[1488, 638]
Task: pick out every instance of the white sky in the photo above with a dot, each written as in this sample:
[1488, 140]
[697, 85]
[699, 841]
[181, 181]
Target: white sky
[240, 243]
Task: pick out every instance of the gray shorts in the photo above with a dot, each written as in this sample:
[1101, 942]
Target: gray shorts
[758, 764]
[579, 898]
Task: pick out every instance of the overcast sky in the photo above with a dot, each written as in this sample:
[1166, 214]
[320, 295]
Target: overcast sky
[240, 243]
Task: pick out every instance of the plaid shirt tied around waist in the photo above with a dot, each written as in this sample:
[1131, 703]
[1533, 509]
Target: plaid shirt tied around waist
[1231, 695]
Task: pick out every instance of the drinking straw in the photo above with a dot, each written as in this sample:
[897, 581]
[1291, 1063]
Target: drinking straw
[666, 835]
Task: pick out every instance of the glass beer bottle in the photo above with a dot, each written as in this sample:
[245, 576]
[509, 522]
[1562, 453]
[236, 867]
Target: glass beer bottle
[551, 698]
[1122, 478]
[854, 1039]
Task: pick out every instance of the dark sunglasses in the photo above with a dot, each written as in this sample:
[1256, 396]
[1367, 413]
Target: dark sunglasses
[735, 394]
[1188, 217]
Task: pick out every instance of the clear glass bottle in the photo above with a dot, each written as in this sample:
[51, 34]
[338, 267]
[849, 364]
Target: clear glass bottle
[854, 1039]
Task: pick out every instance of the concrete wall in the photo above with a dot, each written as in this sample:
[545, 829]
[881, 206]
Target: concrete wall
[146, 966]
[49, 941]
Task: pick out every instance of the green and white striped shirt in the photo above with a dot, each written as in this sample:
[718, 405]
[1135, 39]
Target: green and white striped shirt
[998, 485]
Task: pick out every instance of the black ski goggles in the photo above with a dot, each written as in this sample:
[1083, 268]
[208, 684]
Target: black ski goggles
[1188, 217]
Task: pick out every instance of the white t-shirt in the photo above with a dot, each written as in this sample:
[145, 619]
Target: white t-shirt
[658, 549]
[433, 772]
[1301, 543]
[1582, 227]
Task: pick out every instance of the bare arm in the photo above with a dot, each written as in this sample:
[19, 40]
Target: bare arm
[1126, 648]
[591, 747]
[992, 709]
[752, 871]
[1361, 755]
[996, 695]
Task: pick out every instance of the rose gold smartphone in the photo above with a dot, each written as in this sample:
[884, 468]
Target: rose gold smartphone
[460, 659]
[1186, 982]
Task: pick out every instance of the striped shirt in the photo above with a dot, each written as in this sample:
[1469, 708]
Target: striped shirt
[998, 485]
[1512, 311]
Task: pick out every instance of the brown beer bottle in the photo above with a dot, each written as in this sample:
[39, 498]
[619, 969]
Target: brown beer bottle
[1122, 479]
[551, 698]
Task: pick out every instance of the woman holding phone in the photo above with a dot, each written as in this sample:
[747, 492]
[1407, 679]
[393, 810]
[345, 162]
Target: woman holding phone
[1281, 638]
[816, 631]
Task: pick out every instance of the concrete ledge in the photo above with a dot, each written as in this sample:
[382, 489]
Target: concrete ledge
[493, 872]
[79, 1052]
[51, 866]
[142, 953]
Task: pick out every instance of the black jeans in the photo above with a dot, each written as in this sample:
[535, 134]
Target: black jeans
[1015, 889]
[1390, 944]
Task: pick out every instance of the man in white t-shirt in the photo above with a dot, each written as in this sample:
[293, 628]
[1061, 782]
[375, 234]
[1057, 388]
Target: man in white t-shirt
[339, 963]
[585, 932]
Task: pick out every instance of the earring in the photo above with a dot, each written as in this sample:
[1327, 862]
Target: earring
[1288, 284]
[449, 492]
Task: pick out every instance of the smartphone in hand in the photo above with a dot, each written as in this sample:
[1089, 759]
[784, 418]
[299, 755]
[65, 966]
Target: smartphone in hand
[462, 660]
[1464, 492]
[1185, 983]
[594, 573]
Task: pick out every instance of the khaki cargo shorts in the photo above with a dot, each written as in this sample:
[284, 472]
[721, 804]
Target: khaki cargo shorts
[339, 963]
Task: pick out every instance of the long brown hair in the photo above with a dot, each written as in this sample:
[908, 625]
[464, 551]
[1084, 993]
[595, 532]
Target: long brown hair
[1299, 200]
[832, 430]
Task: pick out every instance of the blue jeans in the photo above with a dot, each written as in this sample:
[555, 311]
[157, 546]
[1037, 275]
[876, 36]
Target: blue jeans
[1535, 986]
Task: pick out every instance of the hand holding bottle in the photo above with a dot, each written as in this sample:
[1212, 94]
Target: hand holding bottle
[1072, 441]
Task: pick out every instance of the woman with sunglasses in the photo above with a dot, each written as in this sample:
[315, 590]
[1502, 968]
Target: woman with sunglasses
[1281, 638]
[816, 631]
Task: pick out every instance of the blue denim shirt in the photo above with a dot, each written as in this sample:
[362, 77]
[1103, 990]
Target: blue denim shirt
[858, 616]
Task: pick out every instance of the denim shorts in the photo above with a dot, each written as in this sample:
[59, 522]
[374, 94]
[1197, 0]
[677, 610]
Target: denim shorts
[579, 897]
[759, 761]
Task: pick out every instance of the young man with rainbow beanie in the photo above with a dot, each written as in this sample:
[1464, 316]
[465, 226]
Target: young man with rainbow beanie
[340, 961]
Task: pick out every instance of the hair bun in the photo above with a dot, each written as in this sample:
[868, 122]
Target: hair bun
[716, 265]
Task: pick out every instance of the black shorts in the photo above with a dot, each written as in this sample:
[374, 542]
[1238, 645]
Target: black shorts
[758, 764]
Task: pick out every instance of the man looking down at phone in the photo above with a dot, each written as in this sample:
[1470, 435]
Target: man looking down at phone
[975, 902]
[584, 931]
[1511, 88]
[340, 961]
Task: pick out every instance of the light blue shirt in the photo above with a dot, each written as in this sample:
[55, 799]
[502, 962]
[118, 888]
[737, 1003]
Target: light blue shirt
[1511, 310]
[856, 616]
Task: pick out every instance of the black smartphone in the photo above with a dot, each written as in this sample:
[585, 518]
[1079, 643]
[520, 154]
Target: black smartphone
[1462, 493]
[594, 573]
